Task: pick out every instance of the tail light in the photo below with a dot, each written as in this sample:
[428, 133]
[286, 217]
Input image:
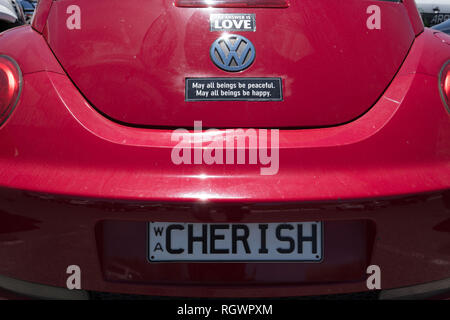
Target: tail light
[233, 3]
[444, 79]
[10, 86]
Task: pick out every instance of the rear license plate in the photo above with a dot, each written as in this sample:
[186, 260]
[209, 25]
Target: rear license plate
[295, 241]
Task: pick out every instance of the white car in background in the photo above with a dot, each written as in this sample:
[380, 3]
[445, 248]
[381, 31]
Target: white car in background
[7, 11]
[11, 14]
[434, 11]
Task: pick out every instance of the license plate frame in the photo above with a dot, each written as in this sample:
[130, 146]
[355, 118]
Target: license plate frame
[157, 236]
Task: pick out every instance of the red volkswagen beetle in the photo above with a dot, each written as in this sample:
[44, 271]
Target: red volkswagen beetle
[225, 148]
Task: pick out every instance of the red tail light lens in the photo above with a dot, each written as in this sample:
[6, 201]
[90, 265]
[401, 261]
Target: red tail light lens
[445, 82]
[446, 85]
[10, 86]
[444, 79]
[233, 3]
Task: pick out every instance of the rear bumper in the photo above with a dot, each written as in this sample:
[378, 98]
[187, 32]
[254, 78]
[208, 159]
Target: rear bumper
[41, 235]
[78, 189]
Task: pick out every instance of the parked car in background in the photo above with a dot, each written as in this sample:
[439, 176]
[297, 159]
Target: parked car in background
[444, 26]
[434, 11]
[11, 14]
[8, 14]
[28, 7]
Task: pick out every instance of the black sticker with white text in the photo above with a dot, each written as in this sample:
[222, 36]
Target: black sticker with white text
[232, 22]
[234, 89]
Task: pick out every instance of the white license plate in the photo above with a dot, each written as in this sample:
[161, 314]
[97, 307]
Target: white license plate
[292, 241]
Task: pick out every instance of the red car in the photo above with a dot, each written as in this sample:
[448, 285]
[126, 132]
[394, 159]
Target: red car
[229, 148]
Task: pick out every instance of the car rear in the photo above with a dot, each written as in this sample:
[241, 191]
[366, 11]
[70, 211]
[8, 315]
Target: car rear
[114, 109]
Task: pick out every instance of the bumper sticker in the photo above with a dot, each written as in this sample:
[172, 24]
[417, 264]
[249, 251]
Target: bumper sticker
[234, 89]
[232, 22]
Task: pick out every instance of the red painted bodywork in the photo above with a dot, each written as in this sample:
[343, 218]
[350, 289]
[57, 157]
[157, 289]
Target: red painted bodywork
[41, 14]
[325, 77]
[414, 16]
[78, 188]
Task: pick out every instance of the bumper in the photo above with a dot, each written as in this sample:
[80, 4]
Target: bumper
[41, 235]
[78, 189]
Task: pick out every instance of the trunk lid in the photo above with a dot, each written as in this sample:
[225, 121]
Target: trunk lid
[131, 59]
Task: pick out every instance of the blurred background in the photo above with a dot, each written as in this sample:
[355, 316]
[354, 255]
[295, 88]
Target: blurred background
[14, 13]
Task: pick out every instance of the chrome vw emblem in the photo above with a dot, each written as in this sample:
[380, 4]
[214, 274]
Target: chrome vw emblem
[232, 53]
